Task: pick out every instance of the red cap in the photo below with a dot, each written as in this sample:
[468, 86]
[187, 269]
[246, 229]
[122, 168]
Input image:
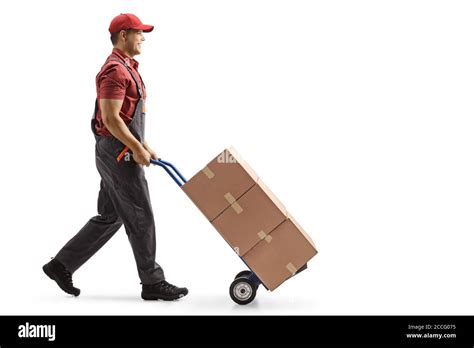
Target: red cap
[126, 21]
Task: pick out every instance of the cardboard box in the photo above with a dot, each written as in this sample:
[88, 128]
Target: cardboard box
[226, 178]
[277, 259]
[250, 218]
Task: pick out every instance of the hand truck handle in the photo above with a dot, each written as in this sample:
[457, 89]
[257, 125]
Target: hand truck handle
[165, 165]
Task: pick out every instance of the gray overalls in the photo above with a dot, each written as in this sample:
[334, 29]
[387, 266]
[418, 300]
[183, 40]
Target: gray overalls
[123, 199]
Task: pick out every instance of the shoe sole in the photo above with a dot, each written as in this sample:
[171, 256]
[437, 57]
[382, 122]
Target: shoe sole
[153, 297]
[53, 277]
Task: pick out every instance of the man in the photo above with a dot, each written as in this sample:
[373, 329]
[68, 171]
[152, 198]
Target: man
[118, 127]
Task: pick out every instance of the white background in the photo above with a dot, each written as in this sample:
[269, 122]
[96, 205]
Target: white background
[357, 114]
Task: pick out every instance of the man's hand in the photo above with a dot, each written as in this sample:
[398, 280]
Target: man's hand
[151, 151]
[141, 156]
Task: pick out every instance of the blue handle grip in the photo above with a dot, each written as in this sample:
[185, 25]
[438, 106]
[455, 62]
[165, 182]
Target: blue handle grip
[165, 166]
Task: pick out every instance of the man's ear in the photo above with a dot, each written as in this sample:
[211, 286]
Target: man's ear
[123, 34]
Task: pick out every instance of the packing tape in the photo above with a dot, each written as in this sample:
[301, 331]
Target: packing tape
[261, 235]
[268, 239]
[228, 196]
[237, 208]
[233, 203]
[208, 172]
[290, 267]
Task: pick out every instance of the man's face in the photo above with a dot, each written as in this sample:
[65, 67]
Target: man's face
[133, 41]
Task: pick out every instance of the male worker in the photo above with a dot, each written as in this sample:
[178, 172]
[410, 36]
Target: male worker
[118, 127]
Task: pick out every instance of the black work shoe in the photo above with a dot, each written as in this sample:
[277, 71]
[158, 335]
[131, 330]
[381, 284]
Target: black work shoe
[162, 291]
[57, 272]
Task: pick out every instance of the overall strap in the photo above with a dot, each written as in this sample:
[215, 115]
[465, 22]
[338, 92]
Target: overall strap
[139, 88]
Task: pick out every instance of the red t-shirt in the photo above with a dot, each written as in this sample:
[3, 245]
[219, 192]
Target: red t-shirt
[114, 82]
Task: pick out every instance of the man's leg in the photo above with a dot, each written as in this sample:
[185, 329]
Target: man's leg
[131, 200]
[96, 232]
[130, 197]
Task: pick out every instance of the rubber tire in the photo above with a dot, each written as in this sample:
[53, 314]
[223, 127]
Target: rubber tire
[248, 285]
[244, 274]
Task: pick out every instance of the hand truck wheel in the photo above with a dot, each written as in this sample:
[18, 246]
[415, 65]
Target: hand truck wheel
[244, 274]
[242, 291]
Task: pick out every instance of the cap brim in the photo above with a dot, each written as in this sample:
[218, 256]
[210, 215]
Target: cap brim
[145, 28]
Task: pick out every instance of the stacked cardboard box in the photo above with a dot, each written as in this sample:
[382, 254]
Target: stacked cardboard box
[250, 218]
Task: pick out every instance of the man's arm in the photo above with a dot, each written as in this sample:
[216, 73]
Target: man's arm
[110, 111]
[150, 150]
